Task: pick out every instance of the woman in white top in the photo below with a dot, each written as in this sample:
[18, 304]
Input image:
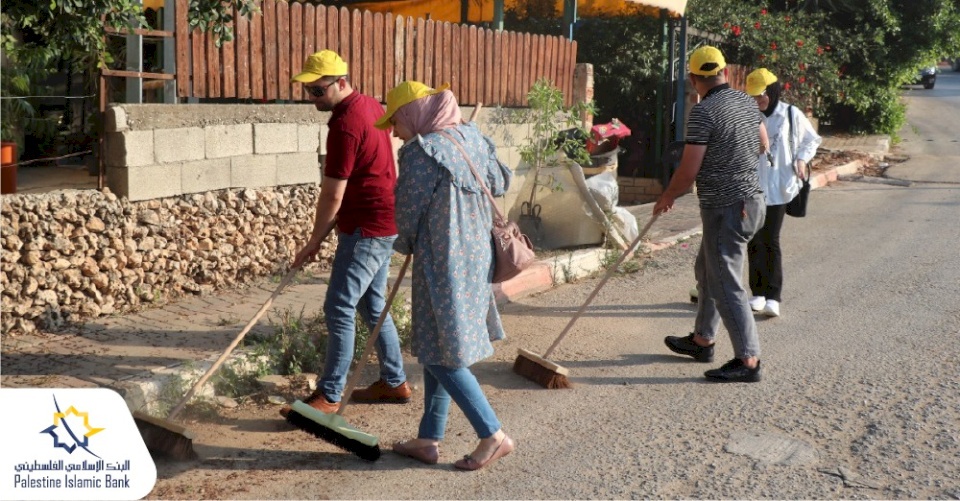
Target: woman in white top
[793, 143]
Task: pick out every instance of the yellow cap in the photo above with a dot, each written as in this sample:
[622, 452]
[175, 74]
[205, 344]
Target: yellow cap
[405, 93]
[707, 61]
[758, 80]
[325, 63]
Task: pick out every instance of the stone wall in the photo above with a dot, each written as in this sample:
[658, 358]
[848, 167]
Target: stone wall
[71, 254]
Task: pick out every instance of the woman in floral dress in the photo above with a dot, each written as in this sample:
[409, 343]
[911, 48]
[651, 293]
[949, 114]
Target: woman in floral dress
[444, 219]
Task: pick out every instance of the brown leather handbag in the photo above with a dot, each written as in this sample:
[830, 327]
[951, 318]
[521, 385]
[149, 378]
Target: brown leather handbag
[513, 251]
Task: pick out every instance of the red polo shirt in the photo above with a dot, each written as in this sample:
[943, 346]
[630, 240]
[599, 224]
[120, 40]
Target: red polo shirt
[363, 155]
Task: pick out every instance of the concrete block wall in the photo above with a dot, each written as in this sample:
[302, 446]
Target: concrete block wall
[638, 190]
[159, 151]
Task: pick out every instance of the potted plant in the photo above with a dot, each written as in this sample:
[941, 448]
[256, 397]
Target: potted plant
[555, 128]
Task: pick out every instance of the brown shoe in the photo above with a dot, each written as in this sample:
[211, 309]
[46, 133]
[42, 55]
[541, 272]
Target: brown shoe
[505, 447]
[318, 402]
[381, 392]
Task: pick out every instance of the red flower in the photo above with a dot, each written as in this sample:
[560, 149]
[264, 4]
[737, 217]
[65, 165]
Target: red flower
[736, 31]
[786, 86]
[756, 25]
[803, 67]
[726, 25]
[763, 12]
[760, 57]
[819, 51]
[786, 18]
[802, 79]
[773, 45]
[799, 43]
[827, 47]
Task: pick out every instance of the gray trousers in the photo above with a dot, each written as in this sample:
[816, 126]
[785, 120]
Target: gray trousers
[719, 272]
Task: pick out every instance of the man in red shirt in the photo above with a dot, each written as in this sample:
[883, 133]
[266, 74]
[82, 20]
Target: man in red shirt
[356, 196]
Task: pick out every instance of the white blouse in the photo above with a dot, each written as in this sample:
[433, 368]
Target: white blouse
[779, 181]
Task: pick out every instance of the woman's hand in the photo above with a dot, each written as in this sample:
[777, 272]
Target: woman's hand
[800, 167]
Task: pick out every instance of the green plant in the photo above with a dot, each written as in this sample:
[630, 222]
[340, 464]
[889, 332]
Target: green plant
[296, 345]
[547, 117]
[400, 313]
[17, 111]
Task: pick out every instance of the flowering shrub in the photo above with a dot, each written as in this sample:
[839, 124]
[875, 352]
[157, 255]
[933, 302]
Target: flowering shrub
[798, 47]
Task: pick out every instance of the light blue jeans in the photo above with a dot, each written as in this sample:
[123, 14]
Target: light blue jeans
[719, 272]
[440, 384]
[358, 282]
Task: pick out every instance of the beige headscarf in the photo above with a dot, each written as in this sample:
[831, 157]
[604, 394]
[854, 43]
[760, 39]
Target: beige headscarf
[430, 114]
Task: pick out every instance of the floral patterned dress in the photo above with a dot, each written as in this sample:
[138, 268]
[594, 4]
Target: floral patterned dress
[444, 219]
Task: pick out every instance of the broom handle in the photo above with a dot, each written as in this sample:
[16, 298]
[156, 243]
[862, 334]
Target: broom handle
[226, 353]
[610, 271]
[372, 338]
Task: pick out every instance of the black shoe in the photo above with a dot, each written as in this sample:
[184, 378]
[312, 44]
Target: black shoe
[734, 372]
[686, 346]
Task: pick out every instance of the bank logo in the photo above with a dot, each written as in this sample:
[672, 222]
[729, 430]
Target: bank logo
[72, 444]
[71, 429]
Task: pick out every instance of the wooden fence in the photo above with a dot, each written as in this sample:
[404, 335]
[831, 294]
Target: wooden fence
[481, 65]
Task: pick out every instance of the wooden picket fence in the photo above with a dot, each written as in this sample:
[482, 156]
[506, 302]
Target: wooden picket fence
[481, 65]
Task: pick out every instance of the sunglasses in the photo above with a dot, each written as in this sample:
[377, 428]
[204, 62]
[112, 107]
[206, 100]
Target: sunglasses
[319, 91]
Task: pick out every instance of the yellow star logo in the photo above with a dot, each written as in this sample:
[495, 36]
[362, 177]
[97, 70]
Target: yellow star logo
[57, 416]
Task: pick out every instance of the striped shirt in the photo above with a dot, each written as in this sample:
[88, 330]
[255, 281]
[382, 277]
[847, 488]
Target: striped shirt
[727, 121]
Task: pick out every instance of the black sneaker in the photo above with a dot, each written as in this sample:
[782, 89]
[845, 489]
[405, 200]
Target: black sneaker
[686, 346]
[734, 372]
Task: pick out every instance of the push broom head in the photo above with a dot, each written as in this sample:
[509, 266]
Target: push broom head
[541, 371]
[165, 438]
[334, 429]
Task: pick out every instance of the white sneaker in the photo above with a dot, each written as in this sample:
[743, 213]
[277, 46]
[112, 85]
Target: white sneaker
[757, 302]
[772, 308]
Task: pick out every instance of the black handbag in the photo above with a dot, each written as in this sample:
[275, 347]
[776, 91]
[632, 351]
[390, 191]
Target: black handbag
[798, 206]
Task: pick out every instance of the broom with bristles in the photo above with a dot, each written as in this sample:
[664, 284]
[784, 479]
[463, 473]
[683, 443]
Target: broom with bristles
[553, 376]
[166, 437]
[333, 428]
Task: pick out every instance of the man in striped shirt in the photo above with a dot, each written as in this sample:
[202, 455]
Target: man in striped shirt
[725, 136]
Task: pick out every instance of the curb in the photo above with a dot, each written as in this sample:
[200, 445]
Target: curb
[821, 179]
[548, 273]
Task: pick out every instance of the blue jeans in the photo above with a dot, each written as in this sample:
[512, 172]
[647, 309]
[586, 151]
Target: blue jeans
[719, 272]
[358, 282]
[440, 384]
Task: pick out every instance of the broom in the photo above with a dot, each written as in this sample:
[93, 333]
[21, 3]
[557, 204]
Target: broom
[333, 428]
[542, 371]
[166, 437]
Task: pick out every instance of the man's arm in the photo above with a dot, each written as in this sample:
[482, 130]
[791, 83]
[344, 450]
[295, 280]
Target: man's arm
[683, 178]
[765, 143]
[331, 195]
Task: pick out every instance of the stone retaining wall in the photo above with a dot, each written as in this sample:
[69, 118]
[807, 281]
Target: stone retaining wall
[70, 254]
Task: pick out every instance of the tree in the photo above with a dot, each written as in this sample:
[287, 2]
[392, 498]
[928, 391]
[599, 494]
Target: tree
[879, 45]
[36, 33]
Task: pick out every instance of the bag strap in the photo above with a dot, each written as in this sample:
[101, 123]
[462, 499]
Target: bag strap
[790, 130]
[476, 175]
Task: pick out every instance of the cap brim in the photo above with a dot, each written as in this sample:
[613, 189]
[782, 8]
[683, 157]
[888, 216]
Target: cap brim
[384, 122]
[306, 77]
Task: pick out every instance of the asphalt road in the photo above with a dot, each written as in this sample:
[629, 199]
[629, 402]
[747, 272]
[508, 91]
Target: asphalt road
[859, 400]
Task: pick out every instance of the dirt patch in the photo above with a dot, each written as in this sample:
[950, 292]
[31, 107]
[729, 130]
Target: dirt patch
[871, 165]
